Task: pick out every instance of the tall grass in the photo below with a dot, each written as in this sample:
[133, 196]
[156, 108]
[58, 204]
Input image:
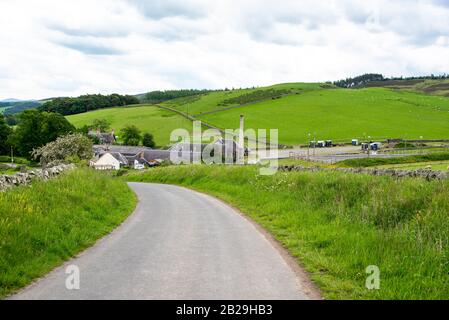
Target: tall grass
[44, 224]
[338, 224]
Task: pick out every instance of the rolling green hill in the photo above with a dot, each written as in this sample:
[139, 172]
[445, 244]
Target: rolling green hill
[148, 118]
[344, 114]
[222, 100]
[297, 109]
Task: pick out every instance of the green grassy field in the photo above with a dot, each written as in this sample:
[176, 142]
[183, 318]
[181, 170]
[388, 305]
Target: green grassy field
[331, 113]
[48, 222]
[338, 224]
[211, 102]
[344, 114]
[148, 118]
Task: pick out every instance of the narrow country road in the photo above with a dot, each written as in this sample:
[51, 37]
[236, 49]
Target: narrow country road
[178, 244]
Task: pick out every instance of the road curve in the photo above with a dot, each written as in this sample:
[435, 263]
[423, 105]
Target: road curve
[178, 244]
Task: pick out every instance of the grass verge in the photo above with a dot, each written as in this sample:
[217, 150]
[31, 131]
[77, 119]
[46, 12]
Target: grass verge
[43, 224]
[373, 162]
[338, 224]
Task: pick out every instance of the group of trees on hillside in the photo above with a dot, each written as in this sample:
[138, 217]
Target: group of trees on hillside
[132, 136]
[161, 96]
[68, 106]
[359, 81]
[371, 77]
[129, 135]
[34, 129]
[18, 106]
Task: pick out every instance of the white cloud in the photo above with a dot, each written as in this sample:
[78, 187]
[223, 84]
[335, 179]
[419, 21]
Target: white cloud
[65, 48]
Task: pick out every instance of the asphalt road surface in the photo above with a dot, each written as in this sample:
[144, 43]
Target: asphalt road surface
[178, 244]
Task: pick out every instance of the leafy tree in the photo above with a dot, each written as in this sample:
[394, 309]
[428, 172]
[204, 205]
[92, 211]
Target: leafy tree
[131, 136]
[5, 131]
[53, 126]
[101, 124]
[148, 140]
[64, 149]
[36, 129]
[11, 119]
[84, 130]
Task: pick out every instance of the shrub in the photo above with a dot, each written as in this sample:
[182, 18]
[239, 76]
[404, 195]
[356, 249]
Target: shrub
[69, 148]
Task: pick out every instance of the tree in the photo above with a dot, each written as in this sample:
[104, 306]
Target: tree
[101, 124]
[130, 135]
[86, 103]
[36, 129]
[148, 140]
[11, 119]
[5, 131]
[64, 149]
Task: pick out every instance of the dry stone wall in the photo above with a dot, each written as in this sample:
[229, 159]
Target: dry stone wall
[422, 173]
[23, 178]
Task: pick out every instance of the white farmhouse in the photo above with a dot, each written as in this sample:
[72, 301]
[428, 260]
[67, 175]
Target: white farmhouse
[110, 161]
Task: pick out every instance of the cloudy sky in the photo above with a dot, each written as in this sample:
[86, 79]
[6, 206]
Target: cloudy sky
[65, 48]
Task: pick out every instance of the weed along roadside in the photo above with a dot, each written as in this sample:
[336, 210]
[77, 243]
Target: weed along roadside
[341, 227]
[47, 222]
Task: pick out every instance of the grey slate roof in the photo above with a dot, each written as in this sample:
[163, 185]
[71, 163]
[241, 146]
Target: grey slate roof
[188, 147]
[125, 150]
[122, 159]
[105, 138]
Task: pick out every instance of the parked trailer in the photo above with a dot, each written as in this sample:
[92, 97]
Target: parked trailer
[375, 146]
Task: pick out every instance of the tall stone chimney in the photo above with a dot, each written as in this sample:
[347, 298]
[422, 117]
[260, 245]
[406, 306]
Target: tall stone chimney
[242, 132]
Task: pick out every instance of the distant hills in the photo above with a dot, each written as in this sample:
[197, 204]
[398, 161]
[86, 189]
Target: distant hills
[12, 106]
[10, 100]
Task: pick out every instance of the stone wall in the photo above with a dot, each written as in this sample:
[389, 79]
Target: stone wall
[23, 178]
[422, 173]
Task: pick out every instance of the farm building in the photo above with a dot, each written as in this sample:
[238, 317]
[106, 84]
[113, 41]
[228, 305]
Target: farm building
[112, 157]
[229, 151]
[103, 138]
[110, 161]
[115, 157]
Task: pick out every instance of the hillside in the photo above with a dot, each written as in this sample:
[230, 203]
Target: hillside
[12, 107]
[296, 109]
[338, 114]
[148, 118]
[433, 87]
[223, 100]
